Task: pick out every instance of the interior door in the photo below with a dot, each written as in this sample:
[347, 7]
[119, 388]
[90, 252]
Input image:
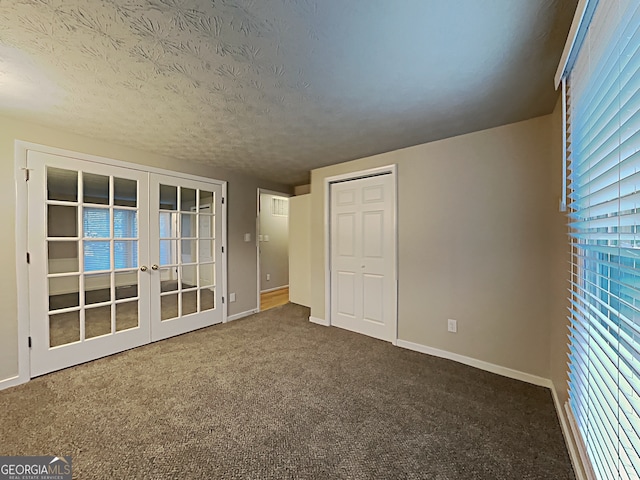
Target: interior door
[88, 297]
[362, 256]
[186, 255]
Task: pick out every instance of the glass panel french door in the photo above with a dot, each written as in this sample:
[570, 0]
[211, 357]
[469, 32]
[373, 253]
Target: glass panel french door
[88, 238]
[185, 252]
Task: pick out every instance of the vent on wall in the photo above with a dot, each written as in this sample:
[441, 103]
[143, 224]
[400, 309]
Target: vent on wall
[279, 207]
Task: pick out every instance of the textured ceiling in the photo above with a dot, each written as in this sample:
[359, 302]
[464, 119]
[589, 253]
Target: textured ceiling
[275, 88]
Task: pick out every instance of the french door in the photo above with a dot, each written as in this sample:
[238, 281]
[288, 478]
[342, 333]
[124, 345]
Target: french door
[185, 219]
[118, 257]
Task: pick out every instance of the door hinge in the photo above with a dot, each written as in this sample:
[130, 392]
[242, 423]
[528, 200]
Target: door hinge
[223, 200]
[29, 342]
[26, 174]
[28, 257]
[222, 299]
[222, 249]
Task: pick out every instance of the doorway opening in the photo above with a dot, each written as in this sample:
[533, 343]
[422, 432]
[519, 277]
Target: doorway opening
[273, 249]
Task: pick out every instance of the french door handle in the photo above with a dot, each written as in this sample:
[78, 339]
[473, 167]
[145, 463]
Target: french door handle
[154, 267]
[143, 268]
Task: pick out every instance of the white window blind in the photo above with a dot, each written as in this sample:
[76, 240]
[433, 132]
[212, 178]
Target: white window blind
[96, 224]
[604, 201]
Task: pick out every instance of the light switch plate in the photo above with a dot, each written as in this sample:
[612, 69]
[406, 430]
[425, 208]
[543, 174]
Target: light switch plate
[452, 325]
[247, 237]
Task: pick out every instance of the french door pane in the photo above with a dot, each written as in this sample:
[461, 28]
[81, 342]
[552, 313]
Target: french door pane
[86, 247]
[185, 221]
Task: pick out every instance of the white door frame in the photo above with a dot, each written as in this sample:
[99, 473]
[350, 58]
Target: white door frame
[268, 192]
[22, 274]
[388, 169]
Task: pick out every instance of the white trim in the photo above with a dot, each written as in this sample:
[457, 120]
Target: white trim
[563, 200]
[391, 169]
[481, 364]
[589, 474]
[274, 289]
[571, 40]
[257, 250]
[238, 316]
[225, 307]
[12, 382]
[327, 254]
[110, 161]
[567, 433]
[320, 321]
[22, 272]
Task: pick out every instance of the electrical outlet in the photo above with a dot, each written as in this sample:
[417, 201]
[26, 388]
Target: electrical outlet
[232, 297]
[268, 276]
[452, 325]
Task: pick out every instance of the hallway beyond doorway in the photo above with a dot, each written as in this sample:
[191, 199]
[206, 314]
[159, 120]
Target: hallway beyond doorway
[274, 298]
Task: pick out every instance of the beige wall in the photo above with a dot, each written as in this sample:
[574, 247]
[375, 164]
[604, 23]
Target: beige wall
[474, 216]
[300, 250]
[241, 201]
[274, 253]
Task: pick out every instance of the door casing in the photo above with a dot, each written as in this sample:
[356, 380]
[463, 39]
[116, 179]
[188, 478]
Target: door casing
[388, 169]
[21, 148]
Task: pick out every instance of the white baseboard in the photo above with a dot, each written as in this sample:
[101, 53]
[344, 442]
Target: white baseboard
[12, 382]
[319, 321]
[274, 289]
[240, 315]
[569, 439]
[472, 362]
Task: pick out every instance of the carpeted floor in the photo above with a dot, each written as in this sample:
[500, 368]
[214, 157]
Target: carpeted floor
[274, 396]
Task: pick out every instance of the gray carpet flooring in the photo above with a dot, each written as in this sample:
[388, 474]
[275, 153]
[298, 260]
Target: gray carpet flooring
[274, 396]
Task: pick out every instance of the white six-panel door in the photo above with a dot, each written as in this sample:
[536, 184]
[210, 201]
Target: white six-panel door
[118, 257]
[362, 253]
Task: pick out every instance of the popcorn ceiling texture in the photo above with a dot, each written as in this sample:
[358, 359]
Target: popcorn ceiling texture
[274, 88]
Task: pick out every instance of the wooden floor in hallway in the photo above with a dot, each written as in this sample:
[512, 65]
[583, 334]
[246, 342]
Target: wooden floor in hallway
[275, 298]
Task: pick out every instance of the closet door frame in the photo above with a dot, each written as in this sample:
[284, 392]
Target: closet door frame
[328, 181]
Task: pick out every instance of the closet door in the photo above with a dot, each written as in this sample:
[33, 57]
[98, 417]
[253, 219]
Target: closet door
[362, 253]
[88, 246]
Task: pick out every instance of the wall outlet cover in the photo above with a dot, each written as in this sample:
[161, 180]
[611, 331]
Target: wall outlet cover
[268, 276]
[452, 325]
[232, 297]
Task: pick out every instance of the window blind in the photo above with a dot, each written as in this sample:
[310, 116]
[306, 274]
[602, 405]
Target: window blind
[603, 100]
[96, 224]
